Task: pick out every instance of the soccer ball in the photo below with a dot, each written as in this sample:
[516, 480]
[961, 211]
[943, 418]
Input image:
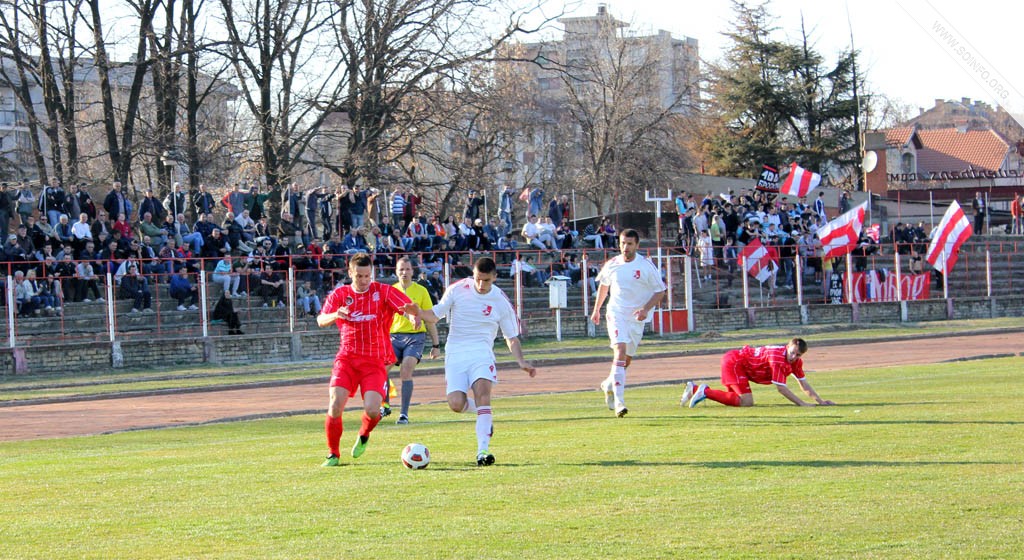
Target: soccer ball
[415, 456]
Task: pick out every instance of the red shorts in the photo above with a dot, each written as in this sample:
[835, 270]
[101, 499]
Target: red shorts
[369, 374]
[733, 375]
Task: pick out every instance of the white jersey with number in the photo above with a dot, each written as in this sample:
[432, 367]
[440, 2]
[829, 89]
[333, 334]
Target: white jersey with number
[474, 319]
[630, 284]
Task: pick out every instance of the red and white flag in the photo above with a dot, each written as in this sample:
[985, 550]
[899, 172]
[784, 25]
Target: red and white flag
[800, 181]
[840, 236]
[759, 261]
[947, 238]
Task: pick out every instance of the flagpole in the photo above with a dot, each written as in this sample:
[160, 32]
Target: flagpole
[945, 277]
[931, 210]
[849, 275]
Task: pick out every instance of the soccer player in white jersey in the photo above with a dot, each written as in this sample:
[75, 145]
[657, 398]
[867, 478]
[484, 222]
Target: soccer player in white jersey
[476, 309]
[633, 286]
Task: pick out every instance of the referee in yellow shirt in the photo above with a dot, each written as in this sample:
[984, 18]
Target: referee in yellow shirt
[408, 338]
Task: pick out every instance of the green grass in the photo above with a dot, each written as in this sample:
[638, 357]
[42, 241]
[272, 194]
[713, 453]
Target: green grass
[117, 381]
[917, 462]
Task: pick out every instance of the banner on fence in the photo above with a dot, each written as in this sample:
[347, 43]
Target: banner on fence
[878, 285]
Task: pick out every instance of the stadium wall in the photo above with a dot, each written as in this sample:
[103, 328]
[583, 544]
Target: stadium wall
[285, 347]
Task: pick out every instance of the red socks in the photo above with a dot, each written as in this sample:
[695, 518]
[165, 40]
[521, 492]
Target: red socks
[728, 398]
[333, 427]
[368, 424]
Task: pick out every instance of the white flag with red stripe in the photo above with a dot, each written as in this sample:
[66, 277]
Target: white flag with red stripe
[947, 238]
[759, 261]
[839, 236]
[800, 181]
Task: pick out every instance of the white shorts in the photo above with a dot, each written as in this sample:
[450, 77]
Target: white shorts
[625, 330]
[459, 375]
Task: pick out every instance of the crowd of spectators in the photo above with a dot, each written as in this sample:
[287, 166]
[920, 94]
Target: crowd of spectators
[61, 243]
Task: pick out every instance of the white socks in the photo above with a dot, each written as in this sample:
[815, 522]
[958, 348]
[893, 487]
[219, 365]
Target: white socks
[484, 428]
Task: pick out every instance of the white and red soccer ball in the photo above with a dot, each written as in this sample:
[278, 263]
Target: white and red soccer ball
[415, 456]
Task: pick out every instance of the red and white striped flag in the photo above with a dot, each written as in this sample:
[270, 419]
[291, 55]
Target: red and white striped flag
[839, 236]
[759, 261]
[800, 181]
[947, 238]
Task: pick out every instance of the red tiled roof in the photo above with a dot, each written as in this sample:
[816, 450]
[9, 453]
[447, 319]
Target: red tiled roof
[898, 136]
[947, 149]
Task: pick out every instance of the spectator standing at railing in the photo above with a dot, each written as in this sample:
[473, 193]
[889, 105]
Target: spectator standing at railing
[819, 207]
[25, 202]
[474, 201]
[292, 204]
[8, 204]
[151, 204]
[176, 202]
[135, 286]
[536, 201]
[1016, 211]
[980, 209]
[203, 203]
[506, 209]
[312, 210]
[397, 201]
[116, 203]
[707, 254]
[51, 200]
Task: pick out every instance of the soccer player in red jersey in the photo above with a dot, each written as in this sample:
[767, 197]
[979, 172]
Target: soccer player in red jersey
[766, 365]
[363, 312]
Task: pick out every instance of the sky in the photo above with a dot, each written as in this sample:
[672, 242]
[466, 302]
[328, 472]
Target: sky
[916, 51]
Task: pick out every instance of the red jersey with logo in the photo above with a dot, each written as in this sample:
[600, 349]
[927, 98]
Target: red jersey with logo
[767, 364]
[366, 331]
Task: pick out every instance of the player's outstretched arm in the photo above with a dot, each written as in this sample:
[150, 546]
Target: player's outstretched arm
[806, 386]
[516, 348]
[785, 392]
[428, 315]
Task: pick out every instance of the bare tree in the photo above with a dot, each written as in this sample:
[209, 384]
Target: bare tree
[284, 74]
[624, 128]
[398, 54]
[39, 40]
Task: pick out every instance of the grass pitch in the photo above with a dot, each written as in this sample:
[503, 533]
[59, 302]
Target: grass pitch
[917, 462]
